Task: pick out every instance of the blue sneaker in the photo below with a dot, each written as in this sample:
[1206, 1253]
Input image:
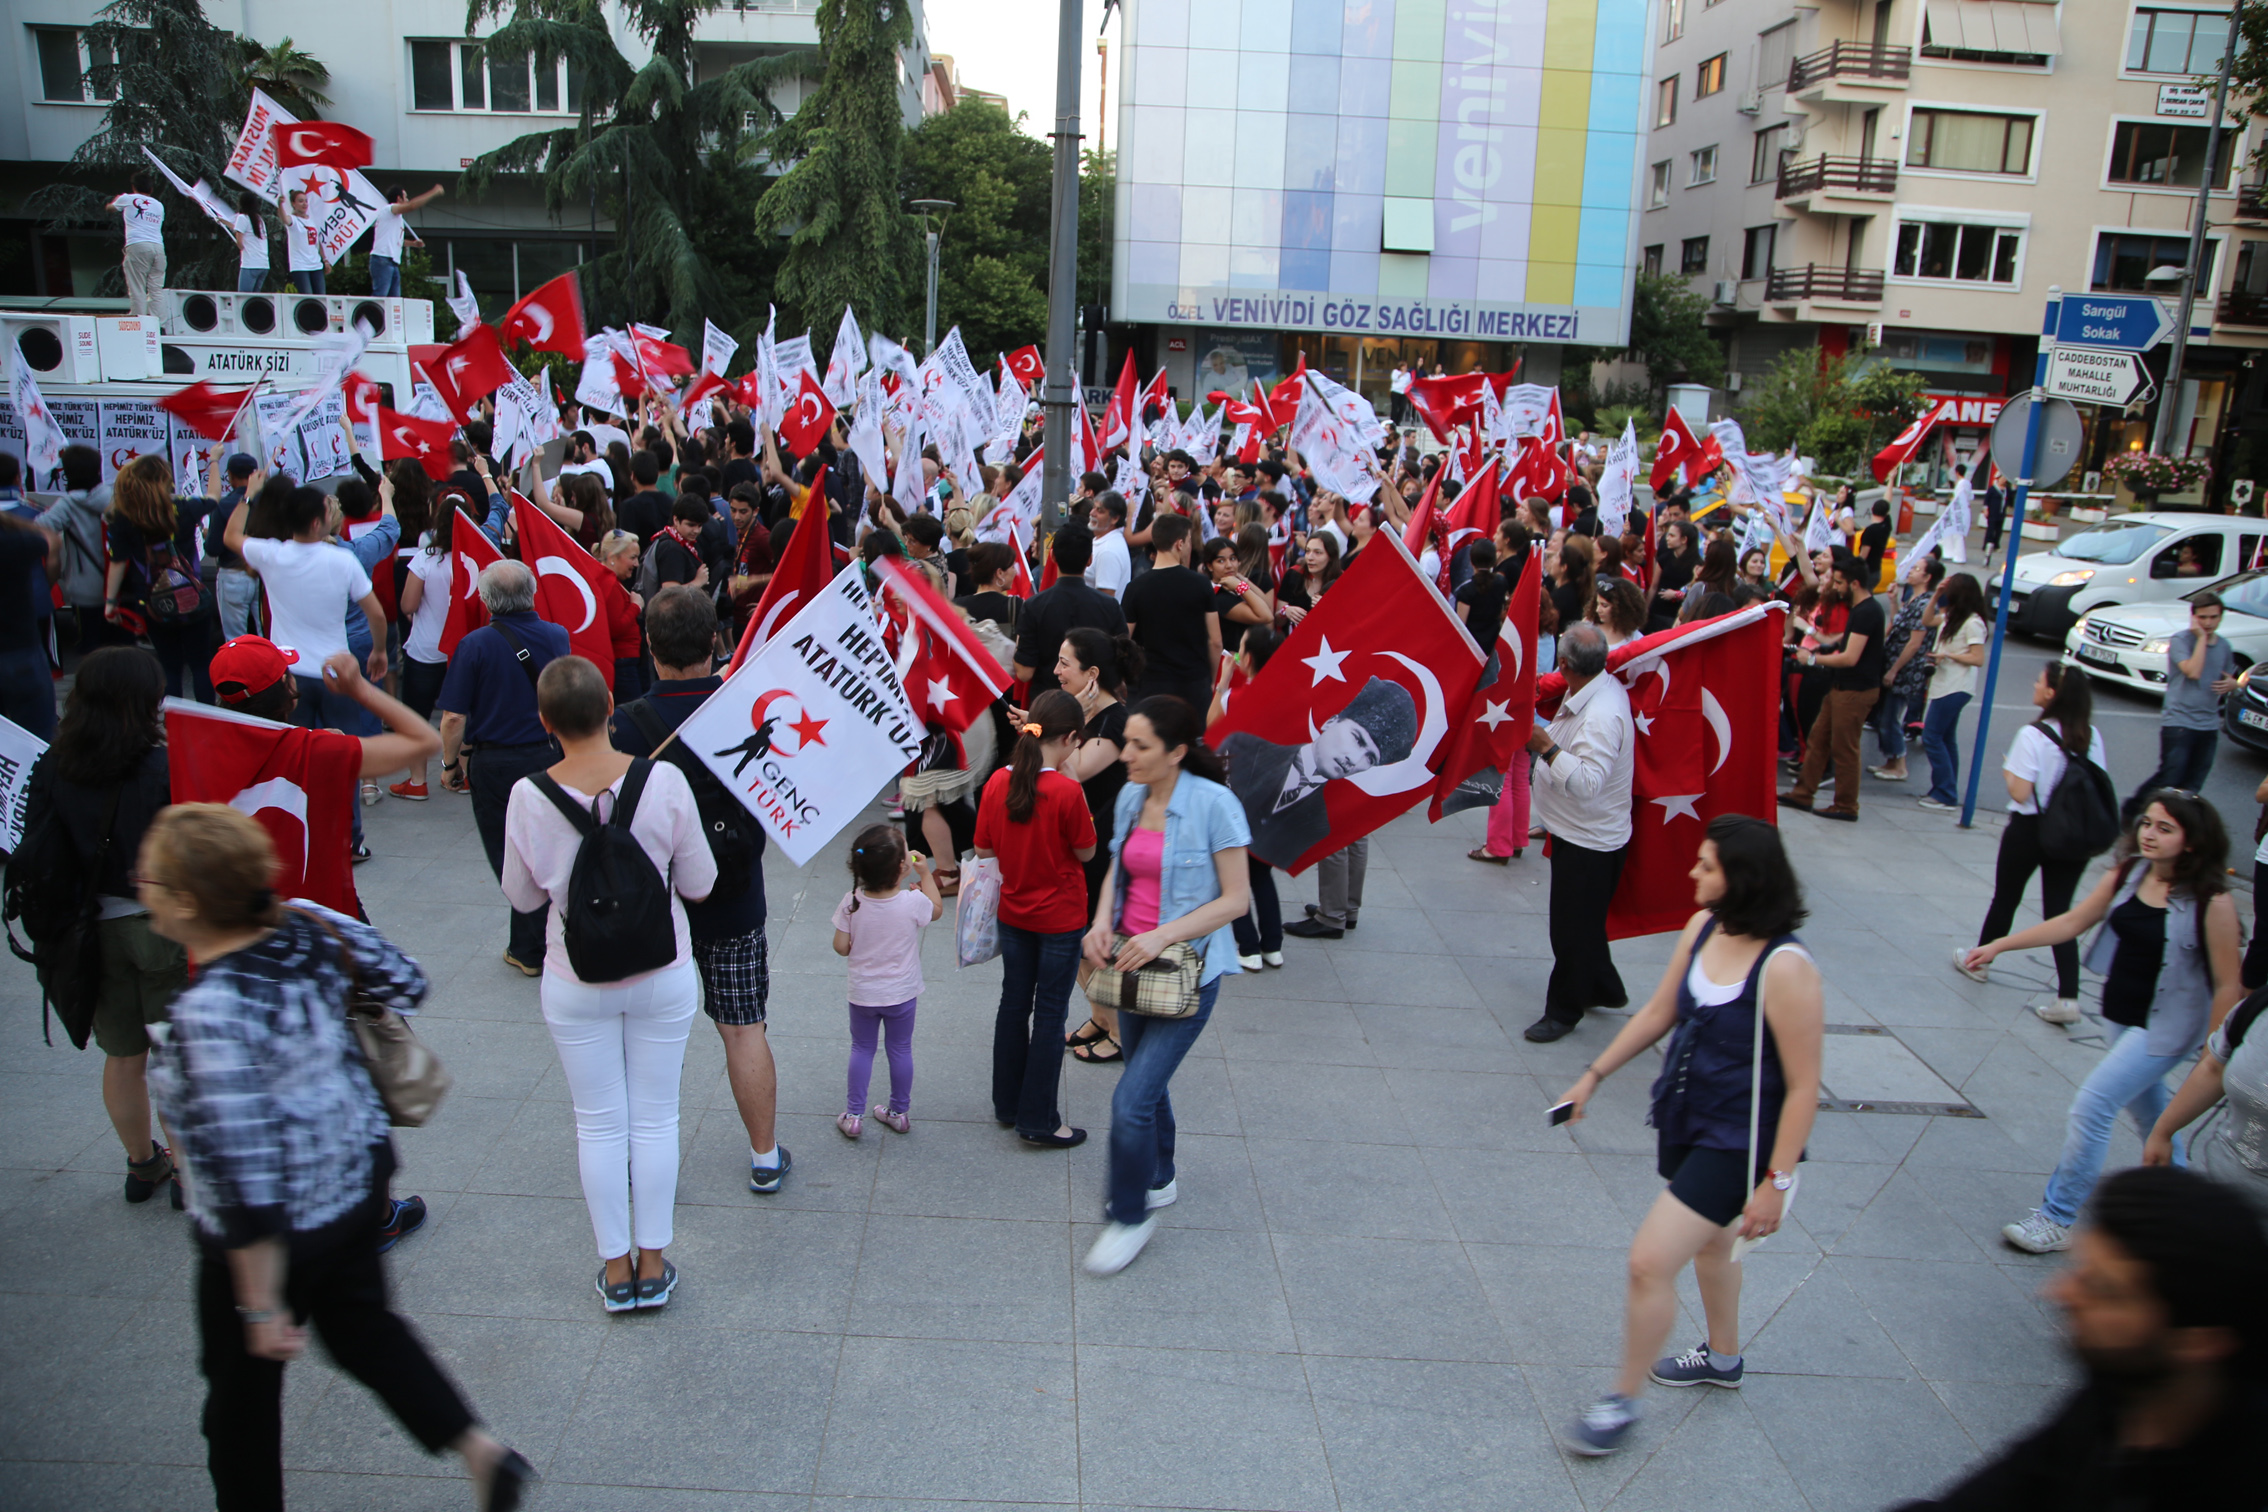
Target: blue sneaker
[1601, 1427]
[765, 1180]
[1692, 1368]
[406, 1219]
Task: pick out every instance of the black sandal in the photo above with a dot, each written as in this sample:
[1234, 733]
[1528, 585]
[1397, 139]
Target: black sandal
[1080, 1038]
[145, 1177]
[1087, 1053]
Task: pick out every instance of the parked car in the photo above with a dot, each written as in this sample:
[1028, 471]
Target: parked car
[2150, 558]
[2127, 644]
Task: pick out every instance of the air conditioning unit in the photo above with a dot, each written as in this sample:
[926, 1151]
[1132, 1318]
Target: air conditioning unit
[1751, 101]
[1732, 382]
[57, 348]
[1728, 292]
[198, 313]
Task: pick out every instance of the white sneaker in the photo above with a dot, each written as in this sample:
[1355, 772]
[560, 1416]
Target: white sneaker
[1961, 964]
[1934, 806]
[1119, 1244]
[2038, 1234]
[1248, 963]
[1164, 1196]
[2061, 1011]
[1272, 957]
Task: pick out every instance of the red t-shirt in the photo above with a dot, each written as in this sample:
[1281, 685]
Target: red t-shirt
[1043, 888]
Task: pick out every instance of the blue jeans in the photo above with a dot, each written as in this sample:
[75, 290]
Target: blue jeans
[2130, 1077]
[1890, 723]
[385, 277]
[308, 280]
[238, 594]
[27, 691]
[1037, 973]
[251, 280]
[1141, 1113]
[1940, 729]
[2185, 760]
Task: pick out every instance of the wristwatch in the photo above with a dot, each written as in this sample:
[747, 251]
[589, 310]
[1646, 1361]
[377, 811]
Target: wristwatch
[1781, 1180]
[256, 1314]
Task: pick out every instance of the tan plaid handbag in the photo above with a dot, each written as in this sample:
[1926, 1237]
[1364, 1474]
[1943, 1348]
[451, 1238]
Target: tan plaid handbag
[1165, 988]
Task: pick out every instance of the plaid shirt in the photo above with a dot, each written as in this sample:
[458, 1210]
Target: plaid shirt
[262, 1083]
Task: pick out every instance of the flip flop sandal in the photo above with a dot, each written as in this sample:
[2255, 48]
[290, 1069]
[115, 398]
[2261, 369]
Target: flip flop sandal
[1087, 1053]
[1483, 853]
[1079, 1037]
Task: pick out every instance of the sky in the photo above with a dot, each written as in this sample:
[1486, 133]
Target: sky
[1008, 47]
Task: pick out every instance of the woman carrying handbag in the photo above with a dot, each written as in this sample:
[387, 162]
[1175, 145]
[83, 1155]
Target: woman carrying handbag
[1177, 879]
[1732, 1108]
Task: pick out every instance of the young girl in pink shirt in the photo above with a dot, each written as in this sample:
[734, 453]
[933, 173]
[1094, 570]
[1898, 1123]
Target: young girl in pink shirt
[878, 927]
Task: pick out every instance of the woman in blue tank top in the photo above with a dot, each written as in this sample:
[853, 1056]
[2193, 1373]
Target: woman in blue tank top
[1730, 1123]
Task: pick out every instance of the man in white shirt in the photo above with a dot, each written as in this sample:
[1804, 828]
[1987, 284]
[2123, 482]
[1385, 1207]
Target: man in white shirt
[1581, 783]
[583, 457]
[145, 246]
[1113, 565]
[1398, 384]
[386, 235]
[303, 253]
[312, 584]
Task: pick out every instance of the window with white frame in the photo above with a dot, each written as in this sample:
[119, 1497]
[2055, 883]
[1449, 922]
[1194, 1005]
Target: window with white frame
[1951, 251]
[1665, 102]
[1653, 263]
[1769, 152]
[64, 59]
[1703, 167]
[1673, 20]
[1969, 141]
[1756, 251]
[463, 76]
[2176, 41]
[1657, 193]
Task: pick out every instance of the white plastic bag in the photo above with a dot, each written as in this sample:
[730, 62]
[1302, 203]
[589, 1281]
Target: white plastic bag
[976, 912]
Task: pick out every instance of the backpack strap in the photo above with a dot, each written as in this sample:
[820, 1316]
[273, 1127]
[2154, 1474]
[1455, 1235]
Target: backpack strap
[577, 815]
[633, 788]
[647, 718]
[519, 650]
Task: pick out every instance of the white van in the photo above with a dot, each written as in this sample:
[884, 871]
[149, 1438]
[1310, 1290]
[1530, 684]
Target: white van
[2131, 559]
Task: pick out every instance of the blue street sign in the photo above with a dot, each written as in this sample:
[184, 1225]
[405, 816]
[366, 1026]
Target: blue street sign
[2126, 322]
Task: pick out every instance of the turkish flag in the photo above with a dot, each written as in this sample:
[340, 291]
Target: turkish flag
[1424, 521]
[360, 393]
[1676, 451]
[470, 552]
[1478, 509]
[1705, 701]
[1901, 448]
[702, 387]
[401, 435]
[1118, 414]
[1028, 366]
[1348, 723]
[801, 574]
[1285, 396]
[805, 424]
[570, 584]
[298, 783]
[1540, 472]
[1495, 729]
[660, 357]
[1447, 402]
[208, 411]
[550, 319]
[949, 678]
[469, 370]
[1023, 588]
[328, 144]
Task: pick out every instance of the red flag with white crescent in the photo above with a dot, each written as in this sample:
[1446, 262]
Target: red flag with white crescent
[1028, 366]
[801, 574]
[470, 553]
[949, 677]
[208, 411]
[298, 784]
[809, 415]
[1496, 725]
[1674, 452]
[550, 319]
[571, 586]
[427, 441]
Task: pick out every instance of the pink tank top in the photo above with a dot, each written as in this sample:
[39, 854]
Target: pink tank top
[1142, 858]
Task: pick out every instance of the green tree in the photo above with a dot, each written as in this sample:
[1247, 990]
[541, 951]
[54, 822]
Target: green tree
[850, 240]
[1837, 410]
[1667, 335]
[171, 78]
[992, 258]
[292, 78]
[662, 154]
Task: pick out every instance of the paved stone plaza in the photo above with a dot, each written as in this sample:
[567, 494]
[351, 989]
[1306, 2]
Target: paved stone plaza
[1386, 1284]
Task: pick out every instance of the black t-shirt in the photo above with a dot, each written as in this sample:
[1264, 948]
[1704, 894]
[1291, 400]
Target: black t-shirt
[739, 470]
[1485, 595]
[1874, 541]
[1166, 607]
[1571, 601]
[713, 918]
[1102, 788]
[129, 544]
[1054, 611]
[2132, 984]
[674, 561]
[21, 553]
[1226, 598]
[642, 514]
[1866, 619]
[1000, 608]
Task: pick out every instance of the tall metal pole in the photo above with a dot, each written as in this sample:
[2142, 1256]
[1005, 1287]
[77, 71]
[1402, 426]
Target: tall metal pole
[1062, 273]
[2030, 460]
[929, 318]
[2169, 402]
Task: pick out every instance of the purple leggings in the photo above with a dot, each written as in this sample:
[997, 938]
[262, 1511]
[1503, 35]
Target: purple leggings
[897, 1022]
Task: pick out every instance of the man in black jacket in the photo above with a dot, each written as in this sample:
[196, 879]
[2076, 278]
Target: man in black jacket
[2163, 1301]
[1057, 610]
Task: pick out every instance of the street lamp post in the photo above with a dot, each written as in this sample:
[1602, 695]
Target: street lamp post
[932, 212]
[2169, 399]
[1062, 272]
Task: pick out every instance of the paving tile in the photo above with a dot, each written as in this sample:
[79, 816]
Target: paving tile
[1501, 1197]
[964, 1278]
[966, 1170]
[1308, 1186]
[1180, 1457]
[1191, 1289]
[1559, 1392]
[992, 1421]
[1715, 1457]
[74, 1235]
[1958, 1322]
[1900, 1222]
[1856, 1442]
[1820, 1328]
[1275, 1100]
[1559, 1305]
[1393, 1299]
[1407, 1435]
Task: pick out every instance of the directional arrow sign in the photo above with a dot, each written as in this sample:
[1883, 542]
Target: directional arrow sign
[2096, 375]
[2126, 322]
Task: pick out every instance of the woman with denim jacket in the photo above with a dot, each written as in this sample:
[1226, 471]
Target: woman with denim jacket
[1177, 873]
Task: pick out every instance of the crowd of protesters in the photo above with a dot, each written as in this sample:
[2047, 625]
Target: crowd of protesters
[1092, 790]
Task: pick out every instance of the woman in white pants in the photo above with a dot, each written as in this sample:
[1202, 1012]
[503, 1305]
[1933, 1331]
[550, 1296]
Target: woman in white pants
[621, 1043]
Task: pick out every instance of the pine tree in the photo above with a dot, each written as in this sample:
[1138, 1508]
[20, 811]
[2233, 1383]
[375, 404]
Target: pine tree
[849, 238]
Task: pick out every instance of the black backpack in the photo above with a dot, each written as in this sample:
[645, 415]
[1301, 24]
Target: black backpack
[176, 596]
[617, 921]
[52, 891]
[735, 839]
[2079, 820]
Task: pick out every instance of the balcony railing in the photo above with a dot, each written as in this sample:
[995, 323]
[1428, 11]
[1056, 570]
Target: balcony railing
[1874, 62]
[1857, 174]
[2238, 308]
[2252, 201]
[1833, 285]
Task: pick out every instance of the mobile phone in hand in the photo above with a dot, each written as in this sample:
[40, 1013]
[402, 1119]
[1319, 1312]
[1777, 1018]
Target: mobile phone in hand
[1561, 1112]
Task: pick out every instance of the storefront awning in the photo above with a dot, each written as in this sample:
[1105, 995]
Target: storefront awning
[2001, 26]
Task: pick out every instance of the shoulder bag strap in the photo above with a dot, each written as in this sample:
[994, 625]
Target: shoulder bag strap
[647, 718]
[577, 815]
[1756, 1064]
[519, 650]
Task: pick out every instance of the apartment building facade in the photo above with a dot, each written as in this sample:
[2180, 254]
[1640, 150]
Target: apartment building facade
[431, 99]
[1911, 176]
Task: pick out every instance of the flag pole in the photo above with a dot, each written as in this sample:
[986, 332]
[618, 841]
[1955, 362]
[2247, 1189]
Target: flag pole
[2030, 459]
